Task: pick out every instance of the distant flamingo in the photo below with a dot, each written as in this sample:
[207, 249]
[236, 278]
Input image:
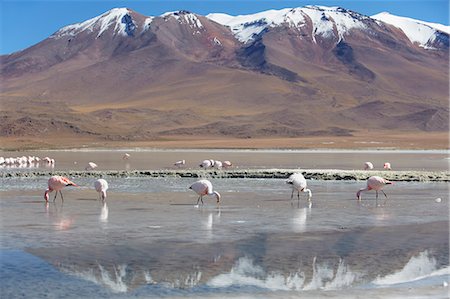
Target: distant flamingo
[126, 156]
[227, 164]
[374, 183]
[218, 164]
[57, 183]
[180, 163]
[101, 186]
[204, 187]
[207, 164]
[298, 182]
[91, 166]
[387, 166]
[368, 166]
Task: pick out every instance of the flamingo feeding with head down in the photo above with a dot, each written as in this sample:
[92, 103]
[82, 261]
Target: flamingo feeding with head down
[57, 183]
[298, 182]
[204, 187]
[180, 163]
[374, 183]
[101, 186]
[387, 166]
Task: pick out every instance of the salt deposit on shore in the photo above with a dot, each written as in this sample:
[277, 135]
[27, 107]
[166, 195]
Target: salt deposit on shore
[316, 174]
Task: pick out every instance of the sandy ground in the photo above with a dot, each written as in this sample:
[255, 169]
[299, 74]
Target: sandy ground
[369, 139]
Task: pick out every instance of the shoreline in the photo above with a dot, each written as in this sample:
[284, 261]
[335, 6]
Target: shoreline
[274, 173]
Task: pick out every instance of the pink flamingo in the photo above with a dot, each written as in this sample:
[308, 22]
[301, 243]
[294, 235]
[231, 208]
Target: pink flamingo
[387, 166]
[57, 183]
[298, 182]
[204, 187]
[374, 183]
[101, 186]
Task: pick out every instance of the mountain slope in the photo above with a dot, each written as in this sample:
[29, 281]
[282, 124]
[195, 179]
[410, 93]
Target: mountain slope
[294, 72]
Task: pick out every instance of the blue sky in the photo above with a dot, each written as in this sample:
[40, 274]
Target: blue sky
[24, 23]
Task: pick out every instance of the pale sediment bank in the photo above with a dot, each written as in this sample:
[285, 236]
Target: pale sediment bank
[316, 174]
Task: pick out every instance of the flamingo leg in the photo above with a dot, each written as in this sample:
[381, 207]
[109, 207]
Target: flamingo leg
[56, 194]
[62, 198]
[292, 194]
[298, 195]
[384, 193]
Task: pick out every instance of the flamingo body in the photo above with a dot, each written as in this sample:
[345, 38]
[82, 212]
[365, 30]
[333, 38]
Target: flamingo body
[101, 186]
[387, 166]
[202, 188]
[91, 166]
[298, 182]
[374, 183]
[57, 183]
[180, 163]
[368, 166]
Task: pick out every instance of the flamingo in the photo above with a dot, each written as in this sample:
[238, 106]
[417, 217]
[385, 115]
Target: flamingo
[57, 183]
[227, 164]
[207, 163]
[374, 183]
[204, 187]
[387, 166]
[91, 166]
[126, 156]
[101, 186]
[298, 182]
[180, 163]
[368, 166]
[218, 164]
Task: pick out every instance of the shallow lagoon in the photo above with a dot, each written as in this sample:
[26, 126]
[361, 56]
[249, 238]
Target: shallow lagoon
[150, 240]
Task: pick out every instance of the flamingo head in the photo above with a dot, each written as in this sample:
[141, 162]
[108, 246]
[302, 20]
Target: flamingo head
[358, 195]
[217, 194]
[46, 194]
[103, 194]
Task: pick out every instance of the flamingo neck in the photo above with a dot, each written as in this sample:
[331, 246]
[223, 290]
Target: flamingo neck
[46, 194]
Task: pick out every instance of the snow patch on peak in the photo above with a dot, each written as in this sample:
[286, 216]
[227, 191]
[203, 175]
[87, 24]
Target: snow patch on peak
[325, 21]
[118, 18]
[185, 17]
[422, 33]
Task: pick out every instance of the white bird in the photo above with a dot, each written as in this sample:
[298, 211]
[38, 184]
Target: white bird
[101, 186]
[206, 164]
[180, 163]
[368, 166]
[298, 182]
[204, 187]
[126, 156]
[91, 166]
[218, 164]
[387, 166]
[227, 164]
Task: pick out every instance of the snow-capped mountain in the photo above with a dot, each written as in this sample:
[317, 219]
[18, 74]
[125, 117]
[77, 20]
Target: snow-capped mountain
[425, 34]
[311, 70]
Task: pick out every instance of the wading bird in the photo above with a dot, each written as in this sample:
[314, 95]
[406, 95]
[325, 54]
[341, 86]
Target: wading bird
[204, 187]
[368, 166]
[180, 163]
[91, 166]
[101, 186]
[374, 183]
[57, 183]
[387, 166]
[298, 182]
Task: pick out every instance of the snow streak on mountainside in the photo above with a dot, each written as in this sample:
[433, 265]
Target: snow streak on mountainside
[423, 33]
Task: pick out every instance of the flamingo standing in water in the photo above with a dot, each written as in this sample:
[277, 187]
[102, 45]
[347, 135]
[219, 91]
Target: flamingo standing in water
[101, 186]
[57, 183]
[387, 166]
[374, 183]
[180, 163]
[204, 187]
[368, 166]
[298, 182]
[90, 166]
